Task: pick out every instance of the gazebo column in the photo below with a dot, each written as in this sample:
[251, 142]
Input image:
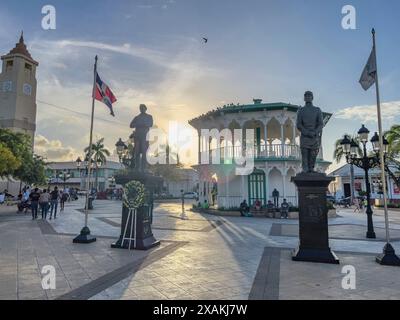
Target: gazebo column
[293, 147]
[227, 190]
[199, 147]
[242, 188]
[266, 183]
[265, 137]
[282, 141]
[284, 184]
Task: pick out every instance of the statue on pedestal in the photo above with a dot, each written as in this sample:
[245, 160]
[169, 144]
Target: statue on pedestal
[310, 124]
[312, 187]
[141, 123]
[139, 186]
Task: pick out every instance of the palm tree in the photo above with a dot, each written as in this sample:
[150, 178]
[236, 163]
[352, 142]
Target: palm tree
[393, 137]
[99, 155]
[338, 155]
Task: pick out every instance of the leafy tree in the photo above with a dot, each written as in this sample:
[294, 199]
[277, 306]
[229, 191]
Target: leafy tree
[32, 167]
[32, 170]
[8, 162]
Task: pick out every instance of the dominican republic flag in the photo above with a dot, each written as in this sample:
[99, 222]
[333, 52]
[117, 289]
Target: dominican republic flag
[103, 93]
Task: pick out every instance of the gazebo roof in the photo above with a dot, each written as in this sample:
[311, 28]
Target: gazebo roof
[255, 107]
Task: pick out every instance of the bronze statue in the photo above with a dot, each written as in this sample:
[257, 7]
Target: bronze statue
[141, 123]
[310, 124]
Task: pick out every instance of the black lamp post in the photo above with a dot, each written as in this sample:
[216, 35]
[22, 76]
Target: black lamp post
[64, 176]
[350, 148]
[121, 149]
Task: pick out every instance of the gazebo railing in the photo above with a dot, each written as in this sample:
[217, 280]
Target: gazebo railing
[262, 151]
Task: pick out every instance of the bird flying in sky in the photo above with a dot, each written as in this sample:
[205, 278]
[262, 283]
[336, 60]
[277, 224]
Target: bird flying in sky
[205, 40]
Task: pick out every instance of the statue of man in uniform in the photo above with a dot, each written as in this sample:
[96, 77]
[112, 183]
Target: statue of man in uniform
[310, 124]
[141, 123]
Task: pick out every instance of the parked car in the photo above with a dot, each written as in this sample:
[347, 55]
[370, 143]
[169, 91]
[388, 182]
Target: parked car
[190, 195]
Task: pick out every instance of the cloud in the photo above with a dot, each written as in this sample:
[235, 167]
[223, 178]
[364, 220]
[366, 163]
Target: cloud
[53, 150]
[367, 113]
[167, 82]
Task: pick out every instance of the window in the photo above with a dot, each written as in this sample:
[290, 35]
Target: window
[28, 69]
[9, 65]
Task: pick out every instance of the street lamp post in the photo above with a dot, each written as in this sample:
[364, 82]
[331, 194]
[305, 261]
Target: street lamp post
[350, 148]
[64, 176]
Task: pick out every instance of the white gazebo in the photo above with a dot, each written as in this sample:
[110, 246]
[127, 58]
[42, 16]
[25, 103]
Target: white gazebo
[276, 153]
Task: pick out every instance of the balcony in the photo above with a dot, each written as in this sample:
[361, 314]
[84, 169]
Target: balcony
[258, 152]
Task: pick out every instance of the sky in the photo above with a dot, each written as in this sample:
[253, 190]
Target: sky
[152, 52]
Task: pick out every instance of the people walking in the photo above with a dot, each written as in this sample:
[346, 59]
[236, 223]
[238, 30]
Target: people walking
[54, 195]
[34, 197]
[44, 203]
[284, 209]
[356, 205]
[63, 198]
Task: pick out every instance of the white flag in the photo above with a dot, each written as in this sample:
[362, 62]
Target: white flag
[368, 75]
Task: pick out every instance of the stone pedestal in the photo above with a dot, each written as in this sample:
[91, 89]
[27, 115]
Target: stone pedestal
[144, 235]
[313, 219]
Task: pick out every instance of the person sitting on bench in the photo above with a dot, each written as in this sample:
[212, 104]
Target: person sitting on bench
[257, 205]
[244, 209]
[270, 209]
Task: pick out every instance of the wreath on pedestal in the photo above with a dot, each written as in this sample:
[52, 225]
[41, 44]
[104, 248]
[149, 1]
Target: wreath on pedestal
[134, 194]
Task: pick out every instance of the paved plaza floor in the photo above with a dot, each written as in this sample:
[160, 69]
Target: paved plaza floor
[205, 257]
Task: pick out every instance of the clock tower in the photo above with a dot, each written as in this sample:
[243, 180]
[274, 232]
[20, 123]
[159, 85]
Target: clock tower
[18, 90]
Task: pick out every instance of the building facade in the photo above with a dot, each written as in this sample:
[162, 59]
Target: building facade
[276, 153]
[18, 90]
[67, 175]
[188, 181]
[341, 186]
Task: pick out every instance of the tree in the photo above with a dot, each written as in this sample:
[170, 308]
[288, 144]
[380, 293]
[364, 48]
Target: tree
[393, 137]
[33, 170]
[32, 167]
[339, 154]
[392, 157]
[8, 162]
[99, 155]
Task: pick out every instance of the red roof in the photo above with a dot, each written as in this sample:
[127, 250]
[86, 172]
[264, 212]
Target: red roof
[20, 48]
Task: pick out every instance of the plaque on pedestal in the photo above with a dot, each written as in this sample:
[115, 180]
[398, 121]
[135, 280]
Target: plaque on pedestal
[313, 219]
[136, 223]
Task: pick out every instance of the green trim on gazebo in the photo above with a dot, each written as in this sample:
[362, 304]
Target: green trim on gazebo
[251, 108]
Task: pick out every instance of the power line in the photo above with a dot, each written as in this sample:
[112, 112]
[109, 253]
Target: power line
[78, 113]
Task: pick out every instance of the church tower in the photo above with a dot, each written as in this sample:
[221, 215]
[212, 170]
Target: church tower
[18, 90]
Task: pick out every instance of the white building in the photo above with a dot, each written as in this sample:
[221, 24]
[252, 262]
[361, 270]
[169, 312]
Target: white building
[276, 153]
[340, 187]
[76, 177]
[188, 181]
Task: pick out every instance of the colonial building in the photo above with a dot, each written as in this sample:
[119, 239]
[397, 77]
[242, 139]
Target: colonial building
[18, 90]
[276, 153]
[67, 174]
[341, 186]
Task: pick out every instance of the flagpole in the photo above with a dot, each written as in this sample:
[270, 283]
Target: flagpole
[84, 236]
[388, 257]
